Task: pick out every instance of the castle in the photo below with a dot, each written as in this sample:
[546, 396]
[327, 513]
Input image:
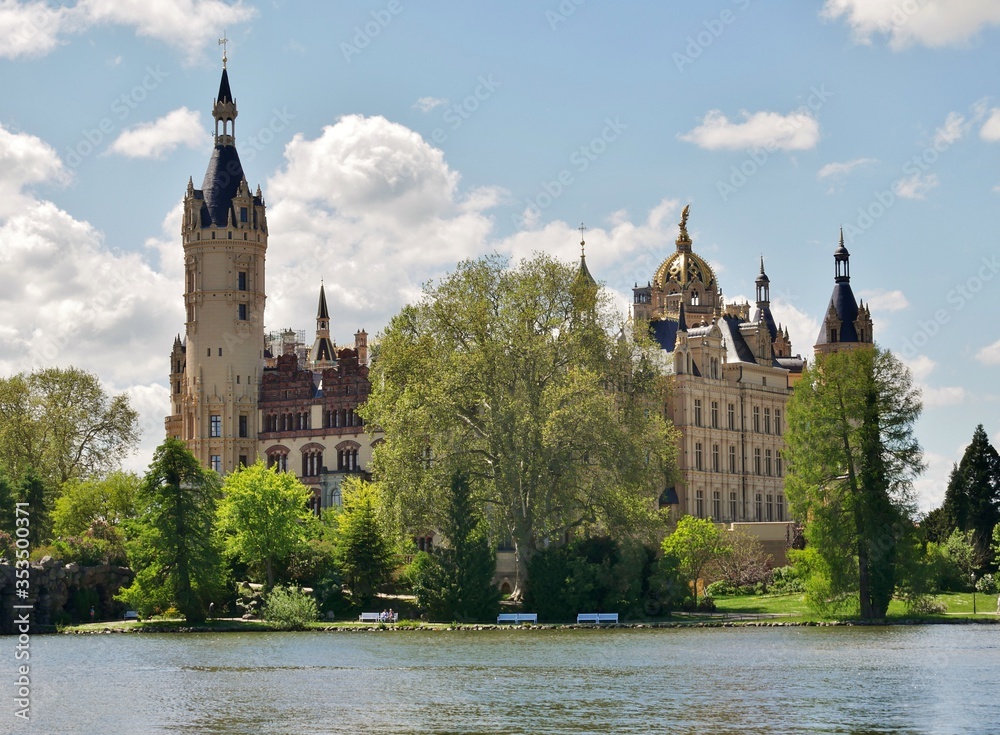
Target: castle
[238, 394]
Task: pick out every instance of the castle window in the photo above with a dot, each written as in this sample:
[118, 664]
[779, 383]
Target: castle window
[716, 505]
[230, 235]
[243, 426]
[220, 352]
[697, 456]
[759, 508]
[756, 419]
[215, 425]
[697, 412]
[243, 214]
[216, 462]
[756, 461]
[242, 314]
[732, 459]
[779, 465]
[699, 503]
[767, 420]
[767, 462]
[777, 421]
[695, 298]
[732, 506]
[833, 335]
[731, 416]
[781, 507]
[208, 352]
[715, 458]
[241, 280]
[770, 507]
[715, 414]
[243, 460]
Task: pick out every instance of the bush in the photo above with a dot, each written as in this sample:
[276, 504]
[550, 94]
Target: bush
[785, 581]
[925, 605]
[987, 584]
[723, 588]
[289, 608]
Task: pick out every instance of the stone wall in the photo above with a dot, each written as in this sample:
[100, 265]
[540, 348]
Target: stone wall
[57, 587]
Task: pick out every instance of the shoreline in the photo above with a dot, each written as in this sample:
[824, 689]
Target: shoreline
[258, 627]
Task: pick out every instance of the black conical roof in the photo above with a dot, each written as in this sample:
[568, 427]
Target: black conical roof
[222, 181]
[225, 94]
[322, 312]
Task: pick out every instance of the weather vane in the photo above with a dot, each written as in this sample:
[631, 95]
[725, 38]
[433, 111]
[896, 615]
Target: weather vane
[582, 230]
[223, 42]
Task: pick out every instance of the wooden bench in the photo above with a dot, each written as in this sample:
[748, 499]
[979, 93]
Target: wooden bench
[517, 618]
[377, 617]
[597, 618]
[131, 615]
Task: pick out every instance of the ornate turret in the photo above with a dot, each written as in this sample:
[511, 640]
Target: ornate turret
[584, 272]
[323, 353]
[845, 326]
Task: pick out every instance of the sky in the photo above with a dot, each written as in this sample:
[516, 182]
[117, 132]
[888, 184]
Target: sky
[392, 139]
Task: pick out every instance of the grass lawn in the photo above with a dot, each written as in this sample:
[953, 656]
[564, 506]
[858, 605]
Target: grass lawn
[794, 607]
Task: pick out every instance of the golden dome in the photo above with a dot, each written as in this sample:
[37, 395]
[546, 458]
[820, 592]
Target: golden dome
[682, 268]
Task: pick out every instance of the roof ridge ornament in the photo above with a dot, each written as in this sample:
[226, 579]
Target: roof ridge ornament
[683, 238]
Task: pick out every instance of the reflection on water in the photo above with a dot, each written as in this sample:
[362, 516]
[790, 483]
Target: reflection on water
[856, 681]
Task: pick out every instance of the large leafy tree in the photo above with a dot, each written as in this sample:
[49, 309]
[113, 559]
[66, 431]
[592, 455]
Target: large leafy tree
[972, 500]
[522, 377]
[852, 461]
[111, 500]
[263, 517]
[173, 547]
[62, 423]
[694, 546]
[455, 582]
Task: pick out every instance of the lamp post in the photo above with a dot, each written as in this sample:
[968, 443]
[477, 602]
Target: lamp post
[973, 593]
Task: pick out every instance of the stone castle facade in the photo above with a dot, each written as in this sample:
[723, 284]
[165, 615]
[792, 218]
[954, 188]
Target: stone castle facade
[238, 394]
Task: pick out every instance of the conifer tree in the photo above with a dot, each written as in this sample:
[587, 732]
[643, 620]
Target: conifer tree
[972, 500]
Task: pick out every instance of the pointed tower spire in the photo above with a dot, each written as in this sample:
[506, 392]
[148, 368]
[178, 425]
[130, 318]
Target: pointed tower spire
[323, 353]
[322, 312]
[681, 320]
[763, 287]
[584, 270]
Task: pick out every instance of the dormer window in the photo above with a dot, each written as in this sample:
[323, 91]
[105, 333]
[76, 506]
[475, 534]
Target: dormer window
[243, 214]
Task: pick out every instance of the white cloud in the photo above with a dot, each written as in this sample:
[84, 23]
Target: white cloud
[930, 486]
[991, 128]
[426, 104]
[881, 300]
[25, 160]
[771, 130]
[915, 186]
[933, 23]
[921, 368]
[160, 137]
[34, 28]
[990, 355]
[844, 168]
[953, 129]
[802, 328]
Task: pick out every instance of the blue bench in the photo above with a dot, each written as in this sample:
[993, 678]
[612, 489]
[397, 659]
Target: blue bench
[517, 618]
[597, 618]
[377, 617]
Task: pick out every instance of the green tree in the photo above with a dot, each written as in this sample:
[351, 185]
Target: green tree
[694, 545]
[365, 553]
[263, 517]
[62, 423]
[521, 376]
[455, 582]
[38, 496]
[961, 550]
[8, 497]
[173, 547]
[972, 500]
[852, 460]
[111, 500]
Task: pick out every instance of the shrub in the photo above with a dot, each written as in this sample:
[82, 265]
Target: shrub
[785, 581]
[290, 608]
[925, 605]
[722, 588]
[986, 584]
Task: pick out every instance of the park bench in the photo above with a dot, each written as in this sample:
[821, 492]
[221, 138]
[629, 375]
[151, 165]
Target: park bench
[131, 615]
[377, 617]
[517, 618]
[597, 618]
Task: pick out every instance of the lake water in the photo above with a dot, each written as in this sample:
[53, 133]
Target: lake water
[934, 679]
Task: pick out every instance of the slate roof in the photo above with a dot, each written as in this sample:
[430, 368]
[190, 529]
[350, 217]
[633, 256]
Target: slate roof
[222, 181]
[846, 306]
[225, 94]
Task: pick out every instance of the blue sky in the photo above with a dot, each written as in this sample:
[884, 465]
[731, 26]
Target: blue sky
[392, 139]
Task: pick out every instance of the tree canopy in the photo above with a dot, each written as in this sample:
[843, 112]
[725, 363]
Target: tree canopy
[694, 544]
[61, 423]
[972, 500]
[263, 517]
[523, 377]
[852, 461]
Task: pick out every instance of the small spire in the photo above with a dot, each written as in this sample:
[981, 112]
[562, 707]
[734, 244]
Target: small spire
[762, 264]
[681, 321]
[322, 312]
[224, 43]
[582, 241]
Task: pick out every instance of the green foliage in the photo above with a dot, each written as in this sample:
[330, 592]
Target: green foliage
[86, 550]
[61, 422]
[972, 500]
[826, 590]
[365, 553]
[8, 498]
[456, 581]
[290, 608]
[111, 500]
[591, 575]
[987, 584]
[513, 374]
[173, 547]
[263, 517]
[852, 460]
[962, 551]
[785, 581]
[39, 499]
[695, 545]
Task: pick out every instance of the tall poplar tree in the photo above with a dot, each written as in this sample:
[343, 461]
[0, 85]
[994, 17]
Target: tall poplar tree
[852, 461]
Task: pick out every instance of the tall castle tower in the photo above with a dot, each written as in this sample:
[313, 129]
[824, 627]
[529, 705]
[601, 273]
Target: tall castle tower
[848, 324]
[216, 370]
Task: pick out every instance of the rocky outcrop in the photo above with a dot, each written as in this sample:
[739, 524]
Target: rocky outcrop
[61, 592]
